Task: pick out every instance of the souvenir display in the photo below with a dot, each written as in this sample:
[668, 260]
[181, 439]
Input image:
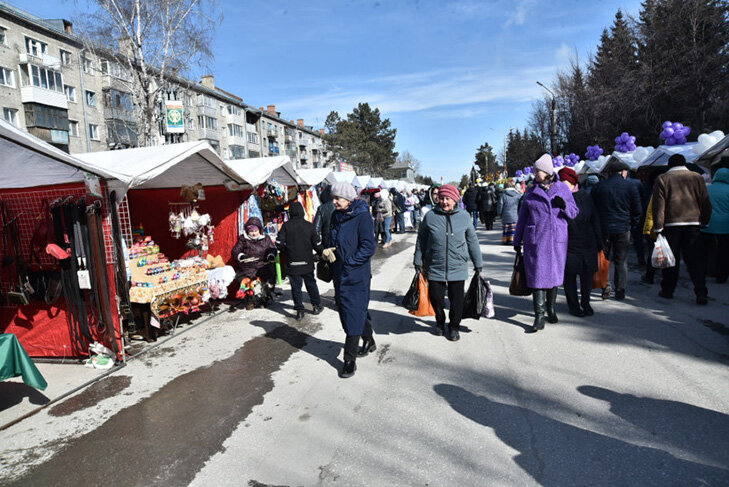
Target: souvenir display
[198, 228]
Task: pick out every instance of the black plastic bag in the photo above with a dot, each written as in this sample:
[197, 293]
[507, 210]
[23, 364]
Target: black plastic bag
[411, 301]
[324, 270]
[476, 303]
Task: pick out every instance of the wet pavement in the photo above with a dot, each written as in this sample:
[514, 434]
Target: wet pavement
[634, 395]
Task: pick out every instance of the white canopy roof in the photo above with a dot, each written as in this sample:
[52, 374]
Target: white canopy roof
[375, 183]
[361, 181]
[27, 161]
[258, 170]
[345, 176]
[163, 166]
[660, 156]
[312, 177]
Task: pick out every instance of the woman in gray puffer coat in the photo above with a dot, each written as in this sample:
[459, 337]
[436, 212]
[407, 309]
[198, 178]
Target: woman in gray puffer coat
[508, 210]
[446, 241]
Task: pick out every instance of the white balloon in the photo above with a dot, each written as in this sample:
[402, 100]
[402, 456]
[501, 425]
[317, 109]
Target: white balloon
[717, 134]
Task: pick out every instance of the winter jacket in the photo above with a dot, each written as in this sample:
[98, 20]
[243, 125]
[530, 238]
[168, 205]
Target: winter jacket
[399, 201]
[618, 202]
[719, 197]
[262, 248]
[584, 235]
[508, 207]
[385, 206]
[445, 243]
[353, 235]
[470, 199]
[542, 230]
[323, 217]
[296, 240]
[487, 199]
[680, 199]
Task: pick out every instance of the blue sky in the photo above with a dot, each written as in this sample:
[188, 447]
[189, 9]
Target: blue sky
[449, 75]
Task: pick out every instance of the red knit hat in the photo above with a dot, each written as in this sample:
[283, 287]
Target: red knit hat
[450, 191]
[568, 174]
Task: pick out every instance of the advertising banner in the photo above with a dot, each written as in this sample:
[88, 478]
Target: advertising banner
[174, 117]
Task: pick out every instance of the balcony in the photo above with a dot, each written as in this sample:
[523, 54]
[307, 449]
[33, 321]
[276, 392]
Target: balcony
[208, 134]
[43, 96]
[273, 151]
[118, 114]
[272, 132]
[292, 154]
[303, 156]
[235, 140]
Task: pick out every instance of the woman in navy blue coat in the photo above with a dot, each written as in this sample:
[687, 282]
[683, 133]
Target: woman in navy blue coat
[353, 241]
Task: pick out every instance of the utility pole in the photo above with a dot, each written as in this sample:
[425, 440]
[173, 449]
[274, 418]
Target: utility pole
[553, 131]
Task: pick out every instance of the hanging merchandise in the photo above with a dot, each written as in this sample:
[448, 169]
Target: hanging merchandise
[189, 223]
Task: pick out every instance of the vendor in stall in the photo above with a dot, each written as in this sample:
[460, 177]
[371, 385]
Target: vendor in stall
[254, 255]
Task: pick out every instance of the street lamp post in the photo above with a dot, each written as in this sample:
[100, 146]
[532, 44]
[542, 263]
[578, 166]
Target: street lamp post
[553, 136]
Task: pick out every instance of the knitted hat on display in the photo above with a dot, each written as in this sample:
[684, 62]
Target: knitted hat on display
[568, 174]
[344, 190]
[676, 160]
[544, 163]
[450, 191]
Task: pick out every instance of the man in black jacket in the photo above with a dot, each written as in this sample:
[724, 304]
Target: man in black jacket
[297, 239]
[618, 204]
[487, 205]
[470, 199]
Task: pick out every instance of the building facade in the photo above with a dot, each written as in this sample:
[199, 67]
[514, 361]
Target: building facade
[82, 100]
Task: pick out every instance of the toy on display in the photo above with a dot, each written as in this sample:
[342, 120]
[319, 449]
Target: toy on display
[197, 227]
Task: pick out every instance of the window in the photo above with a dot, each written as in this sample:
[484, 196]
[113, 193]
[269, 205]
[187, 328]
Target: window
[115, 69]
[90, 98]
[119, 100]
[37, 115]
[93, 131]
[88, 66]
[65, 57]
[73, 128]
[35, 47]
[205, 122]
[46, 78]
[3, 36]
[6, 77]
[70, 93]
[234, 110]
[235, 130]
[10, 115]
[252, 137]
[205, 100]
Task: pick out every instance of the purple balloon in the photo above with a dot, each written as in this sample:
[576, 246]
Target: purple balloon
[670, 141]
[667, 124]
[669, 131]
[677, 126]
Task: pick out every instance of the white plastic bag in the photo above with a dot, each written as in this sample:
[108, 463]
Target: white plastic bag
[662, 255]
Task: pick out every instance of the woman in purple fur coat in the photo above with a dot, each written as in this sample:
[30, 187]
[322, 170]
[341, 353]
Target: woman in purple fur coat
[542, 230]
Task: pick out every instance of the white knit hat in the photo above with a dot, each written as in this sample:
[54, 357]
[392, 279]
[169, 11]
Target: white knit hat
[544, 163]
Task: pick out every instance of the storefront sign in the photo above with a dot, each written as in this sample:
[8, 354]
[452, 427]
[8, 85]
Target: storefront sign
[175, 117]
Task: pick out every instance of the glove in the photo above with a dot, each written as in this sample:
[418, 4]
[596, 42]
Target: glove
[559, 202]
[270, 256]
[478, 270]
[419, 268]
[328, 254]
[242, 257]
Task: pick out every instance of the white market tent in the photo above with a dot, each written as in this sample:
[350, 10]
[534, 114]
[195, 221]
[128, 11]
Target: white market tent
[660, 156]
[258, 170]
[28, 161]
[713, 154]
[375, 183]
[312, 177]
[345, 176]
[361, 181]
[164, 166]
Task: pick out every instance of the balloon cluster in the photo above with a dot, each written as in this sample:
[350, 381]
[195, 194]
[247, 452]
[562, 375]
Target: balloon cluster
[625, 142]
[706, 141]
[674, 133]
[593, 152]
[519, 173]
[571, 160]
[558, 161]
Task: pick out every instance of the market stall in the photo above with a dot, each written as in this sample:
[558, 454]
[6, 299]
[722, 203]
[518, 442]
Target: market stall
[314, 177]
[60, 305]
[177, 211]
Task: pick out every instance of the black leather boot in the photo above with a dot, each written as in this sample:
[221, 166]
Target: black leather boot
[368, 346]
[539, 298]
[350, 356]
[552, 305]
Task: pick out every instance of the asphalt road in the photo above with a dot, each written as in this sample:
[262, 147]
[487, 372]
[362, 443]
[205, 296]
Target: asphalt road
[635, 395]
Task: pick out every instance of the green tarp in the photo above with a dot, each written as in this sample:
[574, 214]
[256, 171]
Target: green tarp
[14, 361]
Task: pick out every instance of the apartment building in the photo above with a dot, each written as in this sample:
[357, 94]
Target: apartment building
[83, 101]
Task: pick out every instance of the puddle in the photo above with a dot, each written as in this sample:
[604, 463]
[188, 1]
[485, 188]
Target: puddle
[92, 395]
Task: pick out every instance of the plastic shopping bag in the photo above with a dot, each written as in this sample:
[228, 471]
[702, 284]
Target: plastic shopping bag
[662, 257]
[479, 300]
[411, 301]
[600, 278]
[424, 306]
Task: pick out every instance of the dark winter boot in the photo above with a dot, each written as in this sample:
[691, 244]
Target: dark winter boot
[539, 298]
[453, 334]
[552, 305]
[351, 344]
[368, 341]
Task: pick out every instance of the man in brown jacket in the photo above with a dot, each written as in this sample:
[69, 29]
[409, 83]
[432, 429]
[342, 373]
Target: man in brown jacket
[681, 207]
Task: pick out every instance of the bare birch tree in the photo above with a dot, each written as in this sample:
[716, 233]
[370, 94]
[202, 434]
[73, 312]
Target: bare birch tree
[154, 42]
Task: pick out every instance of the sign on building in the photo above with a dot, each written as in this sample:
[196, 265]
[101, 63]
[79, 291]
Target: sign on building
[175, 117]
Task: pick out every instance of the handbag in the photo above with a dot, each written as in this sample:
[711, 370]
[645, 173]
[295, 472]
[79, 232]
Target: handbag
[324, 270]
[600, 278]
[424, 306]
[411, 301]
[518, 285]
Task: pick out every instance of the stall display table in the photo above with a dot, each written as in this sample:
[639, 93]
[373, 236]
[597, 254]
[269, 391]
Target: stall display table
[14, 362]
